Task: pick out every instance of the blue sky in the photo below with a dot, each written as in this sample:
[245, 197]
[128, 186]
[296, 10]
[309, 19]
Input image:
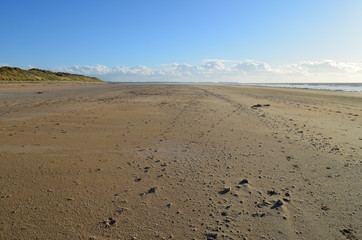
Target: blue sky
[116, 39]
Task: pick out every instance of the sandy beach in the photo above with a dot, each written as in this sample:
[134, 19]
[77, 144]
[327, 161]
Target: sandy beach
[101, 161]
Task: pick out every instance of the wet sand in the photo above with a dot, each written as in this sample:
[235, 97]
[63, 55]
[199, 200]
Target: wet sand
[130, 161]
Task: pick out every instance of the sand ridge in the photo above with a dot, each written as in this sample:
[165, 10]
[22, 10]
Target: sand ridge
[133, 161]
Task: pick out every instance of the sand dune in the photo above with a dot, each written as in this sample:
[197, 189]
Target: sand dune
[116, 161]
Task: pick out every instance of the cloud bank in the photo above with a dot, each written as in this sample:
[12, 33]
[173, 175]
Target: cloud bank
[218, 70]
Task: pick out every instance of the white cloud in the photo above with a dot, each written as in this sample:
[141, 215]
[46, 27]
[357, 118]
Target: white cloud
[85, 69]
[251, 66]
[219, 70]
[326, 66]
[4, 65]
[213, 65]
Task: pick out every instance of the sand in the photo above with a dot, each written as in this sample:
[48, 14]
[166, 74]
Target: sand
[131, 161]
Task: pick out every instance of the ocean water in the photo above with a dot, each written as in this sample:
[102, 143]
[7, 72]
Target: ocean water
[349, 87]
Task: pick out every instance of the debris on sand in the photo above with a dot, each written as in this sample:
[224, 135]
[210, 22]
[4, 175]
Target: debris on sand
[225, 190]
[151, 190]
[271, 192]
[109, 222]
[325, 208]
[334, 149]
[244, 181]
[210, 236]
[277, 204]
[349, 234]
[260, 105]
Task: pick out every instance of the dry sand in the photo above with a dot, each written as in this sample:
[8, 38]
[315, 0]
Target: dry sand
[117, 161]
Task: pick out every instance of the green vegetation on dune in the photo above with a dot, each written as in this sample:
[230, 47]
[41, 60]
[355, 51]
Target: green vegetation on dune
[34, 74]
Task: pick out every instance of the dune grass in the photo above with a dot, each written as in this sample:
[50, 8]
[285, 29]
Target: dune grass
[34, 74]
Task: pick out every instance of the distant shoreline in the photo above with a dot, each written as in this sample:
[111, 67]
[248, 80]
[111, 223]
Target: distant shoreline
[345, 87]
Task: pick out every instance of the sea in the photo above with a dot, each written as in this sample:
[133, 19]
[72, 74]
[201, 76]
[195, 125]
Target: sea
[349, 87]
